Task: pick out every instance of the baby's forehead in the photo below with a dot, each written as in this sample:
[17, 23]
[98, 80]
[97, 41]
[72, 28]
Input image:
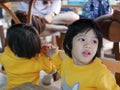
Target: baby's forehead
[90, 32]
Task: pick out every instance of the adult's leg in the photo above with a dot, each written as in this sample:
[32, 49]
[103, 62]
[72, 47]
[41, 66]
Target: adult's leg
[59, 21]
[1, 14]
[55, 27]
[65, 18]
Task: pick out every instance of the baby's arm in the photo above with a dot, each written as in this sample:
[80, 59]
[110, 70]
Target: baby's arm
[49, 67]
[57, 57]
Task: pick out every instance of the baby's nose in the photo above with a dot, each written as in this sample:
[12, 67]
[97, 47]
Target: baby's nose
[87, 46]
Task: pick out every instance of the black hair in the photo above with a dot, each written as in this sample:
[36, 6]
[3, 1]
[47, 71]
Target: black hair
[46, 1]
[80, 26]
[23, 40]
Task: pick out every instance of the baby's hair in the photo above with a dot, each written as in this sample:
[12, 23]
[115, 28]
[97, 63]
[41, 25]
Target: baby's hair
[80, 26]
[46, 1]
[23, 40]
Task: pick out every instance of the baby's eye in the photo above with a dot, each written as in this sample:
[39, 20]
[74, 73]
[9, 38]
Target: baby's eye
[95, 41]
[81, 39]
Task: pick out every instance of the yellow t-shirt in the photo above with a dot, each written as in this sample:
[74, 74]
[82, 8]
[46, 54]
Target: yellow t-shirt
[94, 76]
[21, 70]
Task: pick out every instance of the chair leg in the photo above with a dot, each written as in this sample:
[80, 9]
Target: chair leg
[117, 57]
[117, 77]
[60, 40]
[54, 42]
[2, 38]
[116, 50]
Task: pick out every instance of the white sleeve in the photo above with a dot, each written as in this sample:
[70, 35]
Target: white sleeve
[23, 6]
[56, 6]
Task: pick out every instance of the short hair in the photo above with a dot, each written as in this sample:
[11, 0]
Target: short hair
[80, 26]
[23, 40]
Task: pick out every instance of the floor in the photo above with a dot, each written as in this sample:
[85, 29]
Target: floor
[3, 81]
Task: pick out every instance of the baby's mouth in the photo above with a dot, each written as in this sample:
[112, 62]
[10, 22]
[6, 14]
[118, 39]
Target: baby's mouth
[86, 53]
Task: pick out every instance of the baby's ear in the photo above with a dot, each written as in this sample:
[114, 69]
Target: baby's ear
[62, 54]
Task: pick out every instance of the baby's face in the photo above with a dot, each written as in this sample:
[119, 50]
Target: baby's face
[84, 47]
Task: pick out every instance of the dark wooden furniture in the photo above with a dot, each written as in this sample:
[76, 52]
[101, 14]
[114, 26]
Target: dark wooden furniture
[110, 27]
[14, 17]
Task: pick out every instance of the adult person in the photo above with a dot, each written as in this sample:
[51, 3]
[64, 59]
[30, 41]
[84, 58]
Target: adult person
[96, 8]
[50, 11]
[1, 14]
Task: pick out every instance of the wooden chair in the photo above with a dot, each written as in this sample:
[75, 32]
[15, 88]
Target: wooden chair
[16, 20]
[112, 65]
[2, 38]
[110, 28]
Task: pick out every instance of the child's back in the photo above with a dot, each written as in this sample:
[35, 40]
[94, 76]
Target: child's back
[22, 59]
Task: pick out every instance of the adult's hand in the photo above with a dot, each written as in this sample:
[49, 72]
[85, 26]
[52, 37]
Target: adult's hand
[48, 18]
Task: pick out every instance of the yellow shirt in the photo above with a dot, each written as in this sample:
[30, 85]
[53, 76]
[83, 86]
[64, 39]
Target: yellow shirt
[94, 76]
[21, 70]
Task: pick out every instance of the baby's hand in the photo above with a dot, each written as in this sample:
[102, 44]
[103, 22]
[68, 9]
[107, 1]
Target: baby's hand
[48, 49]
[47, 79]
[62, 54]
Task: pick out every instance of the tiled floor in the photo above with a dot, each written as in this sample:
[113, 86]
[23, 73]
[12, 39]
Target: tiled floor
[3, 81]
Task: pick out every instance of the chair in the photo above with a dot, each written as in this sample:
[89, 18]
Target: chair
[110, 28]
[2, 38]
[2, 4]
[17, 20]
